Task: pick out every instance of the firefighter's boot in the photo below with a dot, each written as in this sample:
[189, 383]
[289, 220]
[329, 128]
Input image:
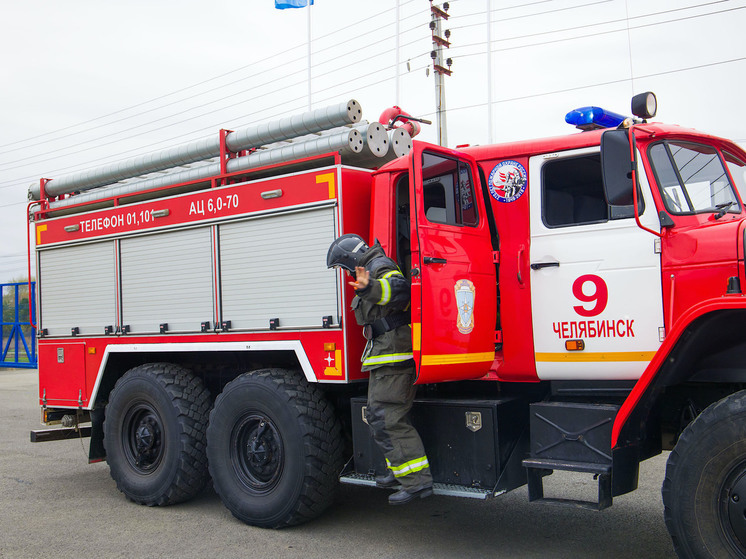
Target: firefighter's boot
[404, 496]
[387, 480]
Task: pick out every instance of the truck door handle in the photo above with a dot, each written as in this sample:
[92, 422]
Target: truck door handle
[540, 265]
[433, 260]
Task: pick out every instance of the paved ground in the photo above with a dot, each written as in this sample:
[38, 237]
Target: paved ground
[54, 504]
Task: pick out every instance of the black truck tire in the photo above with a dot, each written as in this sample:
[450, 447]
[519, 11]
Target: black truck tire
[274, 449]
[704, 492]
[155, 434]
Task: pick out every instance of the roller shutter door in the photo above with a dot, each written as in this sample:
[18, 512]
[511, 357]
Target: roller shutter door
[275, 267]
[77, 288]
[167, 278]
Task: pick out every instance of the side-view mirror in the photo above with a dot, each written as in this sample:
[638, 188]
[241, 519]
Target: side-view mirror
[617, 167]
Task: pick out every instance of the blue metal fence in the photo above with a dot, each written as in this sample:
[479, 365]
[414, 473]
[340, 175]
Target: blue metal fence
[17, 332]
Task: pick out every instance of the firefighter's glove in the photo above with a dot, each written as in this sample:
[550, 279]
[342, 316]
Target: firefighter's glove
[362, 279]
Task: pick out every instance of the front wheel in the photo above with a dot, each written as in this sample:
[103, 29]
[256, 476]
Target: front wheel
[704, 492]
[274, 449]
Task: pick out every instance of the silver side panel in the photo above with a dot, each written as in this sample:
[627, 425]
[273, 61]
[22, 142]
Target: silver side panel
[78, 289]
[167, 278]
[275, 267]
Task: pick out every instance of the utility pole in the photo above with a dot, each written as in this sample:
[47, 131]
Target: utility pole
[308, 53]
[489, 72]
[398, 62]
[440, 40]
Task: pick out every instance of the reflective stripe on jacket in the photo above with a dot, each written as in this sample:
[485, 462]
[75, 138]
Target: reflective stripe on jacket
[387, 293]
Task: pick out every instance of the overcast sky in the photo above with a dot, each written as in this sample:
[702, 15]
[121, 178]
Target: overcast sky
[86, 82]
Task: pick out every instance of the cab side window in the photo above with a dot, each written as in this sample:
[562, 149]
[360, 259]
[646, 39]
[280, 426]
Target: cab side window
[573, 192]
[737, 170]
[448, 191]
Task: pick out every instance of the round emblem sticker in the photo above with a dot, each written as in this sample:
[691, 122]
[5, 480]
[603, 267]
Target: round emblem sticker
[508, 181]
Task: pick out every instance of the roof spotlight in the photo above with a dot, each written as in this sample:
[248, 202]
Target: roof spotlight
[644, 105]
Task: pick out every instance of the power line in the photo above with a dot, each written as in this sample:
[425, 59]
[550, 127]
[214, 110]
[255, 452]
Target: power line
[97, 139]
[122, 131]
[369, 74]
[596, 24]
[285, 105]
[367, 19]
[12, 183]
[146, 102]
[192, 108]
[567, 8]
[523, 16]
[600, 33]
[22, 203]
[599, 84]
[115, 141]
[298, 59]
[506, 8]
[252, 65]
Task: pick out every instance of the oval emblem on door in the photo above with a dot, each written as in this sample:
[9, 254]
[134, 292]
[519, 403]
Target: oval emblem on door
[465, 292]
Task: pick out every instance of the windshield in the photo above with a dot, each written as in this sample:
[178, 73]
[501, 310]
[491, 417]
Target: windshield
[692, 178]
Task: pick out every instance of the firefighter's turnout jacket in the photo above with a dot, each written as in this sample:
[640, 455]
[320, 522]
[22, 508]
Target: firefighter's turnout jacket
[385, 297]
[388, 357]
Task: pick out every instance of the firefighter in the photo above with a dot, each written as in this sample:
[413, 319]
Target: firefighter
[381, 306]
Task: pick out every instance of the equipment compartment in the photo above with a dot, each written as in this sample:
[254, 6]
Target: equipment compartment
[468, 442]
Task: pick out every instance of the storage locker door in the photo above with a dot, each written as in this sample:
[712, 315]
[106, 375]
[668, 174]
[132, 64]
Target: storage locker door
[78, 289]
[275, 267]
[167, 278]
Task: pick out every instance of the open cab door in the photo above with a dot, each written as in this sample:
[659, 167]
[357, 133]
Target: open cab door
[454, 295]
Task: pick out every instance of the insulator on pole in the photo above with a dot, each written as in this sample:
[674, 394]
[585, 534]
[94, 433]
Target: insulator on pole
[245, 138]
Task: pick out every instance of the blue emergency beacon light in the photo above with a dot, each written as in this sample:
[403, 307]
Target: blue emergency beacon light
[644, 106]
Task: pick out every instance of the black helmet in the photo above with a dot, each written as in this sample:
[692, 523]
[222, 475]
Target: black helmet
[346, 252]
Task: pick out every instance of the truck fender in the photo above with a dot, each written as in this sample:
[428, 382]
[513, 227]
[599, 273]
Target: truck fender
[701, 323]
[295, 346]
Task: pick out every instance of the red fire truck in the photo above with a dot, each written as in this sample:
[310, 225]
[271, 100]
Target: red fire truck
[576, 305]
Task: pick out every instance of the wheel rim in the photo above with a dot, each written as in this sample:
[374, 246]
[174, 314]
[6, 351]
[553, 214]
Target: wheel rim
[733, 508]
[257, 453]
[142, 438]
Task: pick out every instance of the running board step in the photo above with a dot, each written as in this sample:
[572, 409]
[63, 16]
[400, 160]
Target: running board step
[59, 434]
[540, 467]
[438, 488]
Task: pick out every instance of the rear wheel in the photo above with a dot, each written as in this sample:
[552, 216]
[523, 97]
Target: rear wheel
[704, 492]
[274, 449]
[155, 434]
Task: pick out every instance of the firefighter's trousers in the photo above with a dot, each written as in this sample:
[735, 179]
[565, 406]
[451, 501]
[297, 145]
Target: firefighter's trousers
[390, 397]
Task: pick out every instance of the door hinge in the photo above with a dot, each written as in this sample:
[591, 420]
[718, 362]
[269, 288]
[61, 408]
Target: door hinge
[657, 246]
[495, 256]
